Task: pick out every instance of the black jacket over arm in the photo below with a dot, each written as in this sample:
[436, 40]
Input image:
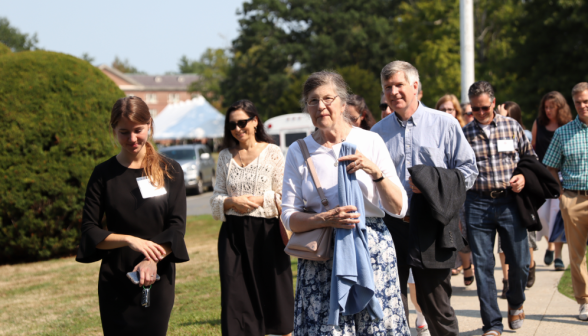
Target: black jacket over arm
[434, 215]
[539, 185]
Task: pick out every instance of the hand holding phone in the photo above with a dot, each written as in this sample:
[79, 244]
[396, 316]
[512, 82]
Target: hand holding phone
[135, 277]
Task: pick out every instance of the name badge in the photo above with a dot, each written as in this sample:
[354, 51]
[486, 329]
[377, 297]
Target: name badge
[505, 145]
[147, 188]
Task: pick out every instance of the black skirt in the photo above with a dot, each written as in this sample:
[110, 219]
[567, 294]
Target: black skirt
[256, 279]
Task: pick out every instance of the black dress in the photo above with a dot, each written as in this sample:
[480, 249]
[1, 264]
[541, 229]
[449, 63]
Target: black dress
[113, 191]
[542, 140]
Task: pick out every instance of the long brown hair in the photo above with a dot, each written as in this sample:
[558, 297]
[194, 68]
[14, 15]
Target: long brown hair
[134, 109]
[456, 106]
[514, 111]
[564, 113]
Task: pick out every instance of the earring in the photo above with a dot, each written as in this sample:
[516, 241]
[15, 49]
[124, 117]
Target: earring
[255, 129]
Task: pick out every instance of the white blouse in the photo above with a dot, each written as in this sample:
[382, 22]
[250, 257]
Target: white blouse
[298, 188]
[262, 177]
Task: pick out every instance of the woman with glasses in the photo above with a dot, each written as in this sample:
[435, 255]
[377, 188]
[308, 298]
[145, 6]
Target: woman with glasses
[450, 104]
[325, 98]
[358, 112]
[256, 278]
[385, 110]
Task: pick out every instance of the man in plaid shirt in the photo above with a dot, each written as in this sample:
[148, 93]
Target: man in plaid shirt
[568, 153]
[498, 142]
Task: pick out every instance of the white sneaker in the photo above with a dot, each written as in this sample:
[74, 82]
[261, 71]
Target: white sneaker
[583, 312]
[422, 331]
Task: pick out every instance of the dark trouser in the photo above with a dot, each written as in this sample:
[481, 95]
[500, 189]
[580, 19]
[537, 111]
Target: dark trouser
[484, 217]
[433, 286]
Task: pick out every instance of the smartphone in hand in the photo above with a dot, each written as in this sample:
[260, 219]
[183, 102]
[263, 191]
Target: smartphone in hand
[136, 278]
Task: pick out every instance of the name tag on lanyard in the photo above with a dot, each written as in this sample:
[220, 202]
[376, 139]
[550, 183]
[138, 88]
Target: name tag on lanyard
[147, 188]
[505, 145]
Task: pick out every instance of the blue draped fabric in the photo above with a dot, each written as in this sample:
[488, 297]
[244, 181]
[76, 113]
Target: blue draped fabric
[352, 279]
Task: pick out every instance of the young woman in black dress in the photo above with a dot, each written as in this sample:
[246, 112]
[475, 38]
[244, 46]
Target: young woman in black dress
[143, 231]
[256, 279]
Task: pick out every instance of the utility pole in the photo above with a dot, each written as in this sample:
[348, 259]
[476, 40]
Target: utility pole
[466, 29]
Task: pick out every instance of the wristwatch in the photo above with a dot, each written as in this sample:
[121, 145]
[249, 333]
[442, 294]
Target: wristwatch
[379, 179]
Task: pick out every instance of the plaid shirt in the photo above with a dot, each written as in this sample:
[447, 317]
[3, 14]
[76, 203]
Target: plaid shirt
[495, 168]
[568, 152]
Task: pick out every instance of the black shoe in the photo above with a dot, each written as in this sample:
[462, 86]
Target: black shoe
[548, 257]
[468, 281]
[504, 288]
[531, 278]
[559, 265]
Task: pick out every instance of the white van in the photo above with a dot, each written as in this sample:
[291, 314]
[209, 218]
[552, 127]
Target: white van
[286, 129]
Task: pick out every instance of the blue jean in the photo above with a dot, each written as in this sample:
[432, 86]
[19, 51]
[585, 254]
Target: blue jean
[484, 217]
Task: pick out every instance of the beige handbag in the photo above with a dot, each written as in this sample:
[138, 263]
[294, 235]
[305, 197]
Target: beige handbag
[317, 244]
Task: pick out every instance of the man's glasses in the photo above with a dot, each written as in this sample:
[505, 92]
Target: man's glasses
[383, 107]
[240, 123]
[478, 108]
[316, 101]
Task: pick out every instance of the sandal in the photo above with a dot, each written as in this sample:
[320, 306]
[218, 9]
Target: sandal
[468, 281]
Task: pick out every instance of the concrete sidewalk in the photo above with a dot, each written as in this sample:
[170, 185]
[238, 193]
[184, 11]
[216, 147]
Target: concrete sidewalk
[547, 311]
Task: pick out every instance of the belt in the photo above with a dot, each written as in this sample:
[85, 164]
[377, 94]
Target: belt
[497, 193]
[579, 192]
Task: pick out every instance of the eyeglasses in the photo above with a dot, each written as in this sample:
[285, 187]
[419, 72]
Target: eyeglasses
[447, 110]
[469, 114]
[316, 101]
[478, 108]
[354, 119]
[383, 107]
[240, 123]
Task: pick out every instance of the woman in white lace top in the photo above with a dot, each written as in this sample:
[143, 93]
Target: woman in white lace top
[256, 278]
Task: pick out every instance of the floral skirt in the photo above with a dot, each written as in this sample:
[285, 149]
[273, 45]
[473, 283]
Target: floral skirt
[311, 305]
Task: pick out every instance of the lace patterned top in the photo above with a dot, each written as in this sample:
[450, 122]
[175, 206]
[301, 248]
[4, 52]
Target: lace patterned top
[262, 177]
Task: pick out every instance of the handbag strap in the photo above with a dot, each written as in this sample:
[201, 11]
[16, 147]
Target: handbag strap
[313, 173]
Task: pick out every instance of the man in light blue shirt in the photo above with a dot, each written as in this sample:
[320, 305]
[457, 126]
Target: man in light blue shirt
[415, 135]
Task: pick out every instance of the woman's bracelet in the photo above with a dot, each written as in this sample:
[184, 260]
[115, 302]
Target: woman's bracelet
[379, 179]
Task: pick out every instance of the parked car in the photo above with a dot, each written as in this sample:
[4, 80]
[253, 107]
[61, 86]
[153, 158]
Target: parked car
[286, 129]
[197, 163]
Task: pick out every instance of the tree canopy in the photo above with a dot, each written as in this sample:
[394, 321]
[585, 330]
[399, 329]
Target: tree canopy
[14, 39]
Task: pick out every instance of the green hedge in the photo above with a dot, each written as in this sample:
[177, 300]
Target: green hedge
[54, 112]
[4, 49]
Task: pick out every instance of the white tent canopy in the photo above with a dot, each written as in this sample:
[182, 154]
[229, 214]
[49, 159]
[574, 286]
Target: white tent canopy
[190, 119]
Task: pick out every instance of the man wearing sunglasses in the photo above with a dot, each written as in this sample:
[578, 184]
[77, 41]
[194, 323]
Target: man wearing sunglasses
[490, 206]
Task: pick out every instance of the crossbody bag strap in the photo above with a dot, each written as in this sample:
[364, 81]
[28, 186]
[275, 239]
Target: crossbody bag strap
[313, 173]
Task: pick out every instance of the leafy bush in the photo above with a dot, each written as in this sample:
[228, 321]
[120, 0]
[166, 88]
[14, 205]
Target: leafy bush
[54, 112]
[4, 49]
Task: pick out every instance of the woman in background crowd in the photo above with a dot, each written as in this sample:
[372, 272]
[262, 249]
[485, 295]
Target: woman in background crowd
[256, 278]
[513, 110]
[554, 112]
[385, 110]
[358, 112]
[468, 116]
[143, 198]
[324, 98]
[450, 104]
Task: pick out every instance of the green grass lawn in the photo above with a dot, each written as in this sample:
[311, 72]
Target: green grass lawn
[60, 297]
[565, 283]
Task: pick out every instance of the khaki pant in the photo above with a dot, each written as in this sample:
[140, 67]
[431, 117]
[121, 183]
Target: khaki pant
[574, 210]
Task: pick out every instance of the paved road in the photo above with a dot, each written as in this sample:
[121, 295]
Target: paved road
[548, 311]
[199, 204]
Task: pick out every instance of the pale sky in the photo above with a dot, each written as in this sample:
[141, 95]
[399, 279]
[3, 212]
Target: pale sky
[152, 35]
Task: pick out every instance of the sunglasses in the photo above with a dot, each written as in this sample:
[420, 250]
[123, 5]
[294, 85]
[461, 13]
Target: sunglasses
[240, 123]
[383, 107]
[469, 114]
[478, 108]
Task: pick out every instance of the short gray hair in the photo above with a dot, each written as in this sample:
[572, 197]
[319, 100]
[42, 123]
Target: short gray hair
[579, 88]
[479, 88]
[321, 78]
[411, 74]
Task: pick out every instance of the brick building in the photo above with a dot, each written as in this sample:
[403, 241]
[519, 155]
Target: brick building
[156, 91]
